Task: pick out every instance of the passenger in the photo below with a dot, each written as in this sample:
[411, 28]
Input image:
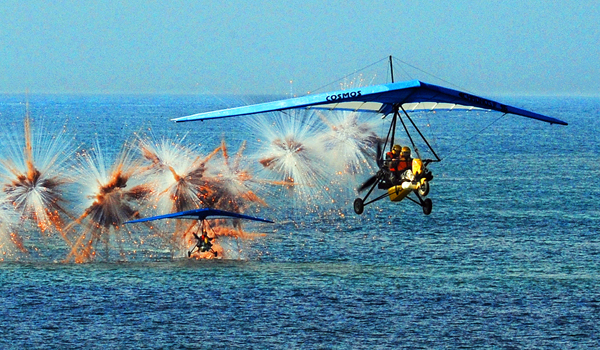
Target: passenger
[405, 170]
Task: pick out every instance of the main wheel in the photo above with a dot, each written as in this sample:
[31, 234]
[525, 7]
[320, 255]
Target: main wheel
[359, 207]
[424, 189]
[427, 206]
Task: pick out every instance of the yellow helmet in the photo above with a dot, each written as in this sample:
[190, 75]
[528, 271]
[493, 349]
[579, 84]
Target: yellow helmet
[406, 149]
[396, 149]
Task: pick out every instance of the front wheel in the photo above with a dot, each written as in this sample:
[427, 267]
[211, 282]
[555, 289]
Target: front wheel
[424, 189]
[359, 207]
[427, 206]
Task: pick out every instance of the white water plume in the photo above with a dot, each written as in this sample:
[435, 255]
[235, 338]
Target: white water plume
[36, 173]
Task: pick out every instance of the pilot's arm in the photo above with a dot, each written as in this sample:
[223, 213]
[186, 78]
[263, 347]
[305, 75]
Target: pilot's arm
[390, 161]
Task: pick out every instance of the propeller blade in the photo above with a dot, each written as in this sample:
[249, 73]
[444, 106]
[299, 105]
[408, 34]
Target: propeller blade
[368, 183]
[379, 155]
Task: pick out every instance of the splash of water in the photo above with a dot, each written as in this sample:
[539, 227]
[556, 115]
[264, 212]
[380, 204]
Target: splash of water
[316, 155]
[289, 155]
[178, 173]
[232, 182]
[36, 176]
[350, 142]
[302, 160]
[9, 239]
[113, 195]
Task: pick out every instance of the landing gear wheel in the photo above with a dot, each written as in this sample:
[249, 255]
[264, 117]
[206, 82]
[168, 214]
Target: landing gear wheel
[359, 207]
[427, 206]
[424, 189]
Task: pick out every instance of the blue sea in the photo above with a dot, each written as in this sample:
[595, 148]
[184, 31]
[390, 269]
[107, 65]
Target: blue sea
[508, 259]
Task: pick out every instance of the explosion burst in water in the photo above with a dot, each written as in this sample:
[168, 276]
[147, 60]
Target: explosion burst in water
[9, 239]
[350, 142]
[232, 182]
[178, 172]
[290, 155]
[36, 177]
[185, 180]
[300, 156]
[115, 197]
[317, 155]
[232, 189]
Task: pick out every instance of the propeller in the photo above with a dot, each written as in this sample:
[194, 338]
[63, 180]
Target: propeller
[373, 179]
[379, 158]
[370, 181]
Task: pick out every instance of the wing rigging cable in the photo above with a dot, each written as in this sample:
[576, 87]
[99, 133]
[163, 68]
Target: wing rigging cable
[474, 136]
[355, 72]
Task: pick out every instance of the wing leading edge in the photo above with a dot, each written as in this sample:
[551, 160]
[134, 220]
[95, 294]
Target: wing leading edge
[379, 99]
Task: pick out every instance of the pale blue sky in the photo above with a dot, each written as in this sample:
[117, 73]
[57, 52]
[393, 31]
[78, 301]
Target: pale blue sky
[257, 47]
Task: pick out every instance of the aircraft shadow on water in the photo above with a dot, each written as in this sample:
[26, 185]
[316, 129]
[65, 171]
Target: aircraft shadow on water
[393, 99]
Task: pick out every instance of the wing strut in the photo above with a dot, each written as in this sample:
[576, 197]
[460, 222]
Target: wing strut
[392, 132]
[392, 68]
[420, 134]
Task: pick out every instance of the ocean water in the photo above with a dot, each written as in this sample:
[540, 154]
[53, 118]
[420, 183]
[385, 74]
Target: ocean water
[509, 258]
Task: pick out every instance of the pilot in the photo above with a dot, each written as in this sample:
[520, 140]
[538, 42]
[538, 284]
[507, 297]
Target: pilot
[405, 162]
[205, 244]
[393, 157]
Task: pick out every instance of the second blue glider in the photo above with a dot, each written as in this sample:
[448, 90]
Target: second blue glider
[202, 214]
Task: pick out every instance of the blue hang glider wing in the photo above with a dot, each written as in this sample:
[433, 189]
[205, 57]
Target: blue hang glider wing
[411, 95]
[201, 214]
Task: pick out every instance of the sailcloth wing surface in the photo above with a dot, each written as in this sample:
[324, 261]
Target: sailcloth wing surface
[411, 95]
